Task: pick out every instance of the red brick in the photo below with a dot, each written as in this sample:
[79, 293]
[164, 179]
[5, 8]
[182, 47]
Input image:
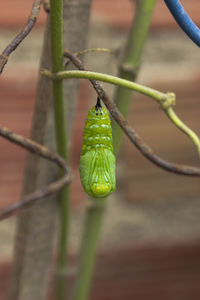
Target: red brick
[116, 13]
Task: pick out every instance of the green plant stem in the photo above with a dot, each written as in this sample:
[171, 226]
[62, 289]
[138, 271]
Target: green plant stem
[185, 129]
[165, 100]
[156, 95]
[56, 15]
[89, 245]
[131, 61]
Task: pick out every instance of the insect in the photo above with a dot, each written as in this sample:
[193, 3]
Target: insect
[97, 161]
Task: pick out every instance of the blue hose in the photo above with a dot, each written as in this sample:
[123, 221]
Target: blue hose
[184, 20]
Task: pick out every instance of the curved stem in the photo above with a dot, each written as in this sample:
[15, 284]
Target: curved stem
[184, 128]
[156, 95]
[166, 100]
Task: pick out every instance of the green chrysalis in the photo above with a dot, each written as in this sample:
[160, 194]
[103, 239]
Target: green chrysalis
[97, 161]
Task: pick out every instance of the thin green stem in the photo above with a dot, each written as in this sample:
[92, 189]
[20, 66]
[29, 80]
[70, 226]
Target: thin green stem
[166, 100]
[158, 96]
[131, 60]
[56, 16]
[184, 128]
[89, 245]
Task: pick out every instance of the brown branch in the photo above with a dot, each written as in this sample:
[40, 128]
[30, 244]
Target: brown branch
[19, 38]
[45, 153]
[130, 132]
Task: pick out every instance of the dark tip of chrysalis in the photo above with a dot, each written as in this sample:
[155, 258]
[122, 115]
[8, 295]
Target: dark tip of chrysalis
[98, 106]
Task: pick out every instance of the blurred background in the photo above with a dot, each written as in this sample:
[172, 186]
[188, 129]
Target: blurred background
[150, 242]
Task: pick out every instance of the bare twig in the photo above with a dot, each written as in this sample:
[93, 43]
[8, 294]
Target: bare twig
[19, 38]
[45, 153]
[130, 132]
[89, 50]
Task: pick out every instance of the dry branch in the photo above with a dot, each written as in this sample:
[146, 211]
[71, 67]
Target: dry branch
[130, 132]
[19, 38]
[45, 153]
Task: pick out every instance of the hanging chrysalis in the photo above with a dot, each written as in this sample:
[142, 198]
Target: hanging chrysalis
[97, 161]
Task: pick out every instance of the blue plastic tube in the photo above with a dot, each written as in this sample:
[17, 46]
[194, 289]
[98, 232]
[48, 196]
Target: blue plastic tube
[184, 20]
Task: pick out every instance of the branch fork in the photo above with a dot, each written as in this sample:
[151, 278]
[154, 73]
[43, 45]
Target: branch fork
[169, 100]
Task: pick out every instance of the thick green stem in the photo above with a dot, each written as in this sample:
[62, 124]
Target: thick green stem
[131, 60]
[56, 21]
[89, 245]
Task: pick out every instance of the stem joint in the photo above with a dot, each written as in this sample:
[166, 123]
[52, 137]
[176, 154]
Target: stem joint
[129, 70]
[168, 101]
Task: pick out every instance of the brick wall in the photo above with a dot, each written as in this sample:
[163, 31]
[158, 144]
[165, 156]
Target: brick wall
[113, 12]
